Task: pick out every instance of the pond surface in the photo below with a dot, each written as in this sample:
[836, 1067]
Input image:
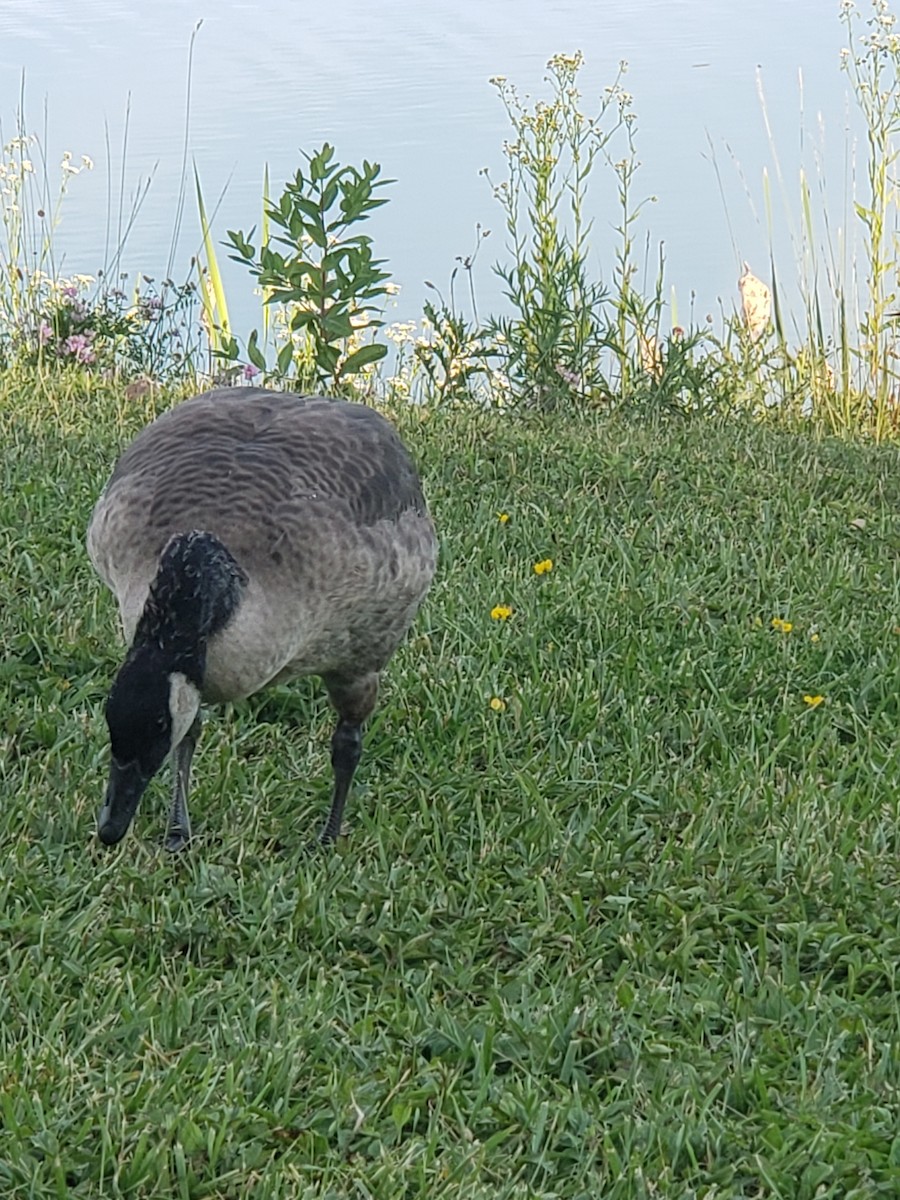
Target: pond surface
[406, 84]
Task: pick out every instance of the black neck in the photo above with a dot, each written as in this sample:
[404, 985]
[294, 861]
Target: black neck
[196, 591]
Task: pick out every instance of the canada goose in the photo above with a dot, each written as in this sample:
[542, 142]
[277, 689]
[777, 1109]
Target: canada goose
[249, 537]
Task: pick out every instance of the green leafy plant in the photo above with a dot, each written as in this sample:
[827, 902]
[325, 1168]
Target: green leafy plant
[455, 352]
[554, 345]
[326, 280]
[452, 354]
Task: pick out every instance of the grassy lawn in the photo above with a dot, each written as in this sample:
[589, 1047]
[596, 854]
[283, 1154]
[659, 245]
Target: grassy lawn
[632, 931]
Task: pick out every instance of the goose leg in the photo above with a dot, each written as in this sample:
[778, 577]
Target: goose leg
[353, 700]
[179, 831]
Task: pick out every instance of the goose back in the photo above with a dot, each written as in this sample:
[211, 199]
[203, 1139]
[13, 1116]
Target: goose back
[318, 502]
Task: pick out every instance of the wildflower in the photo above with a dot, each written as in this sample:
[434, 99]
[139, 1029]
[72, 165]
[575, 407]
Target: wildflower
[400, 332]
[399, 385]
[542, 567]
[813, 701]
[78, 345]
[503, 518]
[249, 371]
[45, 333]
[497, 704]
[501, 612]
[814, 637]
[782, 626]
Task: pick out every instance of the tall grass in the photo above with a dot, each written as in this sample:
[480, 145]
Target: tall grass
[30, 208]
[832, 362]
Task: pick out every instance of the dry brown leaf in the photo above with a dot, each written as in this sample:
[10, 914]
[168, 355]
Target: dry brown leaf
[756, 301]
[650, 355]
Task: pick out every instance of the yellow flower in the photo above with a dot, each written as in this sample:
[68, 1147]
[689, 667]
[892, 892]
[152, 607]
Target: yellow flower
[503, 518]
[500, 612]
[814, 637]
[813, 701]
[497, 704]
[781, 626]
[542, 567]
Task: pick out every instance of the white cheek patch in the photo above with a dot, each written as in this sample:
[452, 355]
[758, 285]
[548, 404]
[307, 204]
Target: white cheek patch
[184, 704]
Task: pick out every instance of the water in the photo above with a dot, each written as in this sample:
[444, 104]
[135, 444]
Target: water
[405, 84]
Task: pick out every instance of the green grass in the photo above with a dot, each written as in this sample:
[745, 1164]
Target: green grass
[636, 935]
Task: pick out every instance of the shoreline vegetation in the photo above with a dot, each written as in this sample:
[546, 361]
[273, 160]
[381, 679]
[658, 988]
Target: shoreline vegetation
[618, 913]
[563, 338]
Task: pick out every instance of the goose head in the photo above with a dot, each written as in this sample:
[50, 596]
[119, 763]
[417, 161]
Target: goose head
[156, 695]
[148, 713]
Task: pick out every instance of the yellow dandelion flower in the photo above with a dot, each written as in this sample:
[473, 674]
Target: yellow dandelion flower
[782, 626]
[542, 567]
[813, 701]
[814, 637]
[497, 704]
[503, 518]
[501, 612]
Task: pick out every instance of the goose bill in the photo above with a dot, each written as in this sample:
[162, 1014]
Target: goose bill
[123, 795]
